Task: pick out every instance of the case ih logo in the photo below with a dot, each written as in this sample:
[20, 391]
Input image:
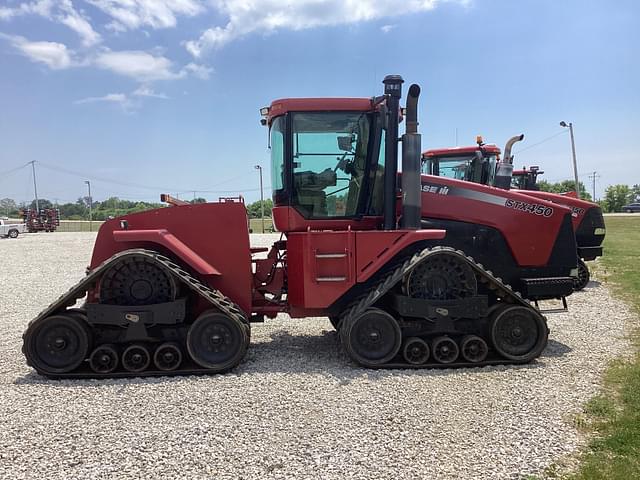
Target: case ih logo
[440, 190]
[532, 208]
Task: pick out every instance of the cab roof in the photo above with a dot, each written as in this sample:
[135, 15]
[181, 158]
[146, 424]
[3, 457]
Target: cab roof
[452, 151]
[284, 105]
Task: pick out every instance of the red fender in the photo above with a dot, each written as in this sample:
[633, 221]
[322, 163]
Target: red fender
[171, 243]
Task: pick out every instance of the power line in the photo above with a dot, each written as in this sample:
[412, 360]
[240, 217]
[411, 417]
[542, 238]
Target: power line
[7, 173]
[541, 142]
[145, 187]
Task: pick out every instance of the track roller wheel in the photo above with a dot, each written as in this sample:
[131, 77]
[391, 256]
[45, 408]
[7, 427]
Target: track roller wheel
[167, 357]
[136, 358]
[415, 351]
[104, 359]
[582, 279]
[445, 349]
[474, 349]
[373, 338]
[518, 333]
[217, 341]
[57, 344]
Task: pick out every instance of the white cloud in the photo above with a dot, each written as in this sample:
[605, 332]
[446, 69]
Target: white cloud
[199, 71]
[62, 12]
[128, 102]
[387, 28]
[137, 64]
[78, 23]
[55, 55]
[147, 91]
[39, 7]
[266, 16]
[133, 14]
[119, 99]
[111, 97]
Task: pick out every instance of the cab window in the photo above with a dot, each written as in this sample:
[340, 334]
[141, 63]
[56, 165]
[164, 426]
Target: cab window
[329, 162]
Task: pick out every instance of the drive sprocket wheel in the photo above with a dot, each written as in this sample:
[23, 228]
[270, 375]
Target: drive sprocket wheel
[441, 277]
[58, 344]
[217, 341]
[518, 333]
[372, 338]
[137, 281]
[582, 279]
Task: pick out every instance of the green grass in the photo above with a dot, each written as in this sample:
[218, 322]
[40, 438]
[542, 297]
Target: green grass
[255, 224]
[614, 415]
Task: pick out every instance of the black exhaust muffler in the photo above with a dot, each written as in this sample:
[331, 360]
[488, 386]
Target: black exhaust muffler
[393, 92]
[411, 165]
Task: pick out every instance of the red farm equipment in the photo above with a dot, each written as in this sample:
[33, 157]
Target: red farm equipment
[482, 164]
[174, 290]
[43, 220]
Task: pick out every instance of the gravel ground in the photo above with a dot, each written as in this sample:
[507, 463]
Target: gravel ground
[296, 407]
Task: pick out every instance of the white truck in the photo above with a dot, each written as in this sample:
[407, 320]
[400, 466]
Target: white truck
[11, 230]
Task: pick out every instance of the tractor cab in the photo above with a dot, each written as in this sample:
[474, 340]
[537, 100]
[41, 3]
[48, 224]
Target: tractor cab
[325, 159]
[331, 166]
[526, 179]
[475, 164]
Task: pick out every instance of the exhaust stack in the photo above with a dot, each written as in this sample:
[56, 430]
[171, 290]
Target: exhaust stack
[504, 171]
[393, 92]
[411, 153]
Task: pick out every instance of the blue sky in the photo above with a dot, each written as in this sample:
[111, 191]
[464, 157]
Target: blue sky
[146, 97]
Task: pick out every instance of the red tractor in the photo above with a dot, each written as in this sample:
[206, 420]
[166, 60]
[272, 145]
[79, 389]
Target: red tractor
[164, 296]
[482, 164]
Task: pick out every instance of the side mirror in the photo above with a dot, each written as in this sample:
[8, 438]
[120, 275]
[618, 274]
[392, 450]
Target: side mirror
[346, 143]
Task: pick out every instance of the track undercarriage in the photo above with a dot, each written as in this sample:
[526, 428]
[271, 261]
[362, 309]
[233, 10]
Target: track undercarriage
[140, 327]
[437, 308]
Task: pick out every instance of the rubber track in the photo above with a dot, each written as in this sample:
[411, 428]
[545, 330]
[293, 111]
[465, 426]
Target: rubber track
[392, 278]
[79, 290]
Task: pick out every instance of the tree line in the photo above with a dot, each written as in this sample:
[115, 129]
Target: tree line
[109, 208]
[615, 196]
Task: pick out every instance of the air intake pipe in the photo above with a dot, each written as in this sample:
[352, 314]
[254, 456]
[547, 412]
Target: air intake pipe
[504, 172]
[393, 92]
[411, 153]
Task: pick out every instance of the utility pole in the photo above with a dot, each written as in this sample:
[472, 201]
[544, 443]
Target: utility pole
[35, 185]
[593, 177]
[259, 168]
[573, 150]
[90, 204]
